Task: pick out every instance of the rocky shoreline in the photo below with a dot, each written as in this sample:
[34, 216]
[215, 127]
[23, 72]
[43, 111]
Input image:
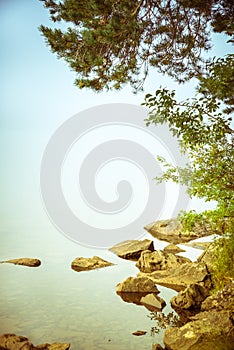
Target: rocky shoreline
[18, 342]
[206, 320]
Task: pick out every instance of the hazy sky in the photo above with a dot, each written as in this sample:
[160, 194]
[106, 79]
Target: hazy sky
[37, 95]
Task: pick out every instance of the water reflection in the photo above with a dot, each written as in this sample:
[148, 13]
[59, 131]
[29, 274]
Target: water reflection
[164, 321]
[151, 301]
[134, 298]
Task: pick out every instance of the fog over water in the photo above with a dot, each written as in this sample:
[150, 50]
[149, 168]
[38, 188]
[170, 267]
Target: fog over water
[54, 303]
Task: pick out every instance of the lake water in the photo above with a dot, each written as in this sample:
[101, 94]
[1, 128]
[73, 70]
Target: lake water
[54, 303]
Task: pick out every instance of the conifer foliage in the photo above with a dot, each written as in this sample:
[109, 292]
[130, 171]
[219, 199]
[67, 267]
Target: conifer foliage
[109, 43]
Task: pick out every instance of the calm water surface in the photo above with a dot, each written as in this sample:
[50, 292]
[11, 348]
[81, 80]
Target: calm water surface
[54, 303]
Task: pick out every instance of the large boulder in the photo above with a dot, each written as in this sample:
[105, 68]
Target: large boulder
[182, 276]
[159, 260]
[132, 289]
[191, 297]
[132, 249]
[213, 328]
[30, 262]
[137, 285]
[208, 330]
[172, 231]
[18, 342]
[87, 264]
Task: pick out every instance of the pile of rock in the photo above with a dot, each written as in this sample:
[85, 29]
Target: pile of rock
[211, 328]
[18, 342]
[208, 320]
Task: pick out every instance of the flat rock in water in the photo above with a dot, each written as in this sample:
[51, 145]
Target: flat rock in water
[137, 285]
[171, 231]
[87, 264]
[18, 342]
[139, 333]
[30, 262]
[131, 249]
[182, 276]
[153, 302]
[159, 260]
[172, 248]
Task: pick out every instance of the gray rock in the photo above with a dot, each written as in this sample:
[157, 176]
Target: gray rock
[87, 264]
[153, 302]
[182, 276]
[132, 249]
[137, 285]
[172, 231]
[208, 330]
[191, 297]
[159, 260]
[30, 262]
[172, 248]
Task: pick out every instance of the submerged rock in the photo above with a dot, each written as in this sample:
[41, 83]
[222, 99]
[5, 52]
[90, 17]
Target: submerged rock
[172, 231]
[132, 249]
[182, 276]
[137, 285]
[18, 342]
[153, 302]
[30, 262]
[159, 260]
[87, 264]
